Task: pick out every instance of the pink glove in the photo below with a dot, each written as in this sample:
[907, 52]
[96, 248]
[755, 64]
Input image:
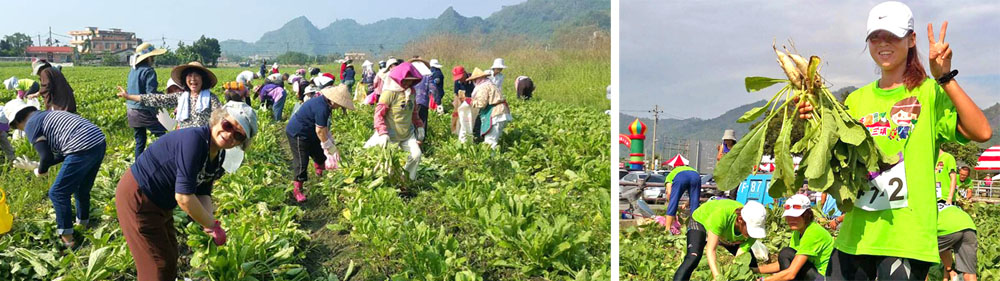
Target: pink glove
[661, 220]
[217, 233]
[333, 160]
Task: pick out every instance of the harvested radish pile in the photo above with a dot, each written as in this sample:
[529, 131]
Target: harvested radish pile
[838, 153]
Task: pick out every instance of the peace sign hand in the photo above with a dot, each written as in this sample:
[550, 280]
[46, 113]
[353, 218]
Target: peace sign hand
[940, 52]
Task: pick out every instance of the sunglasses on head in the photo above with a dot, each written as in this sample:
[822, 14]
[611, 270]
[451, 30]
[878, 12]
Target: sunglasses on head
[229, 127]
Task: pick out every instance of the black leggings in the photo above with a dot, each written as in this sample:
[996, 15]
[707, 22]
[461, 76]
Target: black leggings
[808, 270]
[844, 266]
[697, 237]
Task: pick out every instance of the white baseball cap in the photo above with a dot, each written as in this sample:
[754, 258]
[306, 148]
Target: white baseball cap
[891, 16]
[754, 215]
[796, 205]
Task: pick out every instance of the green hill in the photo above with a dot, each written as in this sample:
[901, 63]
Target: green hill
[535, 19]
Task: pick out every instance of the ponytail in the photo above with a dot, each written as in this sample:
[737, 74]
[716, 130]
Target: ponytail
[914, 75]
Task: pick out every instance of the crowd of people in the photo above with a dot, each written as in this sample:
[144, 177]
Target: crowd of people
[199, 137]
[898, 237]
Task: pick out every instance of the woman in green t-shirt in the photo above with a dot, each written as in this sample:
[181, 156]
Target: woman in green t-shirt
[725, 223]
[890, 232]
[808, 253]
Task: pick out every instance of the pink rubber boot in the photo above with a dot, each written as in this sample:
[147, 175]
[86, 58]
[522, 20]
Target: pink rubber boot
[319, 169]
[298, 192]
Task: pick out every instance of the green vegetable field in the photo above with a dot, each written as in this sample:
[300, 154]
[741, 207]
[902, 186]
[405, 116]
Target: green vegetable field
[538, 209]
[649, 252]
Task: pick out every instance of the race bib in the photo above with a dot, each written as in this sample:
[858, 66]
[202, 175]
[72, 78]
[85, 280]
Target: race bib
[887, 191]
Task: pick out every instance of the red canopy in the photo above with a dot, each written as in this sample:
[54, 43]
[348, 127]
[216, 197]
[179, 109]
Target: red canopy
[990, 159]
[677, 161]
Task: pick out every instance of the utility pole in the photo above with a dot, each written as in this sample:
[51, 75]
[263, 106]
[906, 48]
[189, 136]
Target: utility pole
[656, 120]
[697, 156]
[50, 37]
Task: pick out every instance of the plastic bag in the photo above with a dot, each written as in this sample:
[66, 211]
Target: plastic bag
[6, 219]
[465, 121]
[234, 158]
[760, 251]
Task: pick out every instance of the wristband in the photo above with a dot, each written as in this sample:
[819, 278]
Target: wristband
[944, 79]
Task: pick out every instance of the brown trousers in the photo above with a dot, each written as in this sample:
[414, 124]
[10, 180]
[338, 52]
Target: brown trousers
[149, 231]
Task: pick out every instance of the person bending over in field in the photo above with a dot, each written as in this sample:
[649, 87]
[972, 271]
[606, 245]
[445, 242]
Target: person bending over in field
[309, 135]
[25, 88]
[494, 113]
[61, 136]
[721, 222]
[194, 105]
[911, 115]
[956, 233]
[808, 253]
[396, 121]
[682, 178]
[179, 169]
[53, 88]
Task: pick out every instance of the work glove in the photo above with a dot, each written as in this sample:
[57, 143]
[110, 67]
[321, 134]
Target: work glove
[217, 233]
[23, 163]
[333, 159]
[383, 140]
[421, 134]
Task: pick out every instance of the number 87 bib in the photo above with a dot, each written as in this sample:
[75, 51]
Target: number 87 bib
[887, 191]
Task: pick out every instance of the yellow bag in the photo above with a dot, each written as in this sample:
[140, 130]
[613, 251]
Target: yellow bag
[6, 219]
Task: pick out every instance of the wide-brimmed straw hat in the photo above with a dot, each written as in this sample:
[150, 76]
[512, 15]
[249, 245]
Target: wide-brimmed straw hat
[339, 95]
[476, 74]
[144, 51]
[209, 82]
[11, 108]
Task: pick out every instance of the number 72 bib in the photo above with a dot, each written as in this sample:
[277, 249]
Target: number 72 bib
[887, 191]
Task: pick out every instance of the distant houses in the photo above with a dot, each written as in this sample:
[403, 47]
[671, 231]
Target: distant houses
[95, 40]
[51, 53]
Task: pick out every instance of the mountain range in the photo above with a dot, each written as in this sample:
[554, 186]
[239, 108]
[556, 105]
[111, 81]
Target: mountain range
[683, 135]
[537, 19]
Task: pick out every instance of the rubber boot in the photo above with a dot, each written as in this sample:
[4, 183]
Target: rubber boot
[298, 192]
[319, 169]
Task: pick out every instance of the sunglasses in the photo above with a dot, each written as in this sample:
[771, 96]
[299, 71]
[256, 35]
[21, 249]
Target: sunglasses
[796, 206]
[229, 127]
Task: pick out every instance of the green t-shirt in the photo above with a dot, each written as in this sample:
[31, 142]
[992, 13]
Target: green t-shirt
[673, 173]
[719, 217]
[915, 123]
[942, 173]
[817, 243]
[952, 219]
[399, 118]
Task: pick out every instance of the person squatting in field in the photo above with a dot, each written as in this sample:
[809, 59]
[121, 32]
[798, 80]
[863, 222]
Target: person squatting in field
[923, 112]
[309, 135]
[179, 169]
[808, 253]
[194, 105]
[62, 136]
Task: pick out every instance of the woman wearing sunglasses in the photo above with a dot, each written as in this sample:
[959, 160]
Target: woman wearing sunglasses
[195, 105]
[179, 169]
[807, 255]
[309, 136]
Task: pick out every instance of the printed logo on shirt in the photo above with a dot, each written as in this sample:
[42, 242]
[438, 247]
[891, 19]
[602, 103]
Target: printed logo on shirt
[897, 124]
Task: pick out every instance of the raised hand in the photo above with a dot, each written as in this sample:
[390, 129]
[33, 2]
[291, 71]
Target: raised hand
[121, 92]
[939, 51]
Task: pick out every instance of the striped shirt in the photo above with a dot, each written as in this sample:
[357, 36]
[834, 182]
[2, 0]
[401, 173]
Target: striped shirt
[65, 132]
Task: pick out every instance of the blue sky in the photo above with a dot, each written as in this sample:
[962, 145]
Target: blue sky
[226, 19]
[691, 56]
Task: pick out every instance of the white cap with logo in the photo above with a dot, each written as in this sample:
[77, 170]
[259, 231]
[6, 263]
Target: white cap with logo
[891, 16]
[754, 214]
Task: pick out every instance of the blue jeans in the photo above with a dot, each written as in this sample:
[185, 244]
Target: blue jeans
[689, 181]
[76, 178]
[140, 136]
[278, 106]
